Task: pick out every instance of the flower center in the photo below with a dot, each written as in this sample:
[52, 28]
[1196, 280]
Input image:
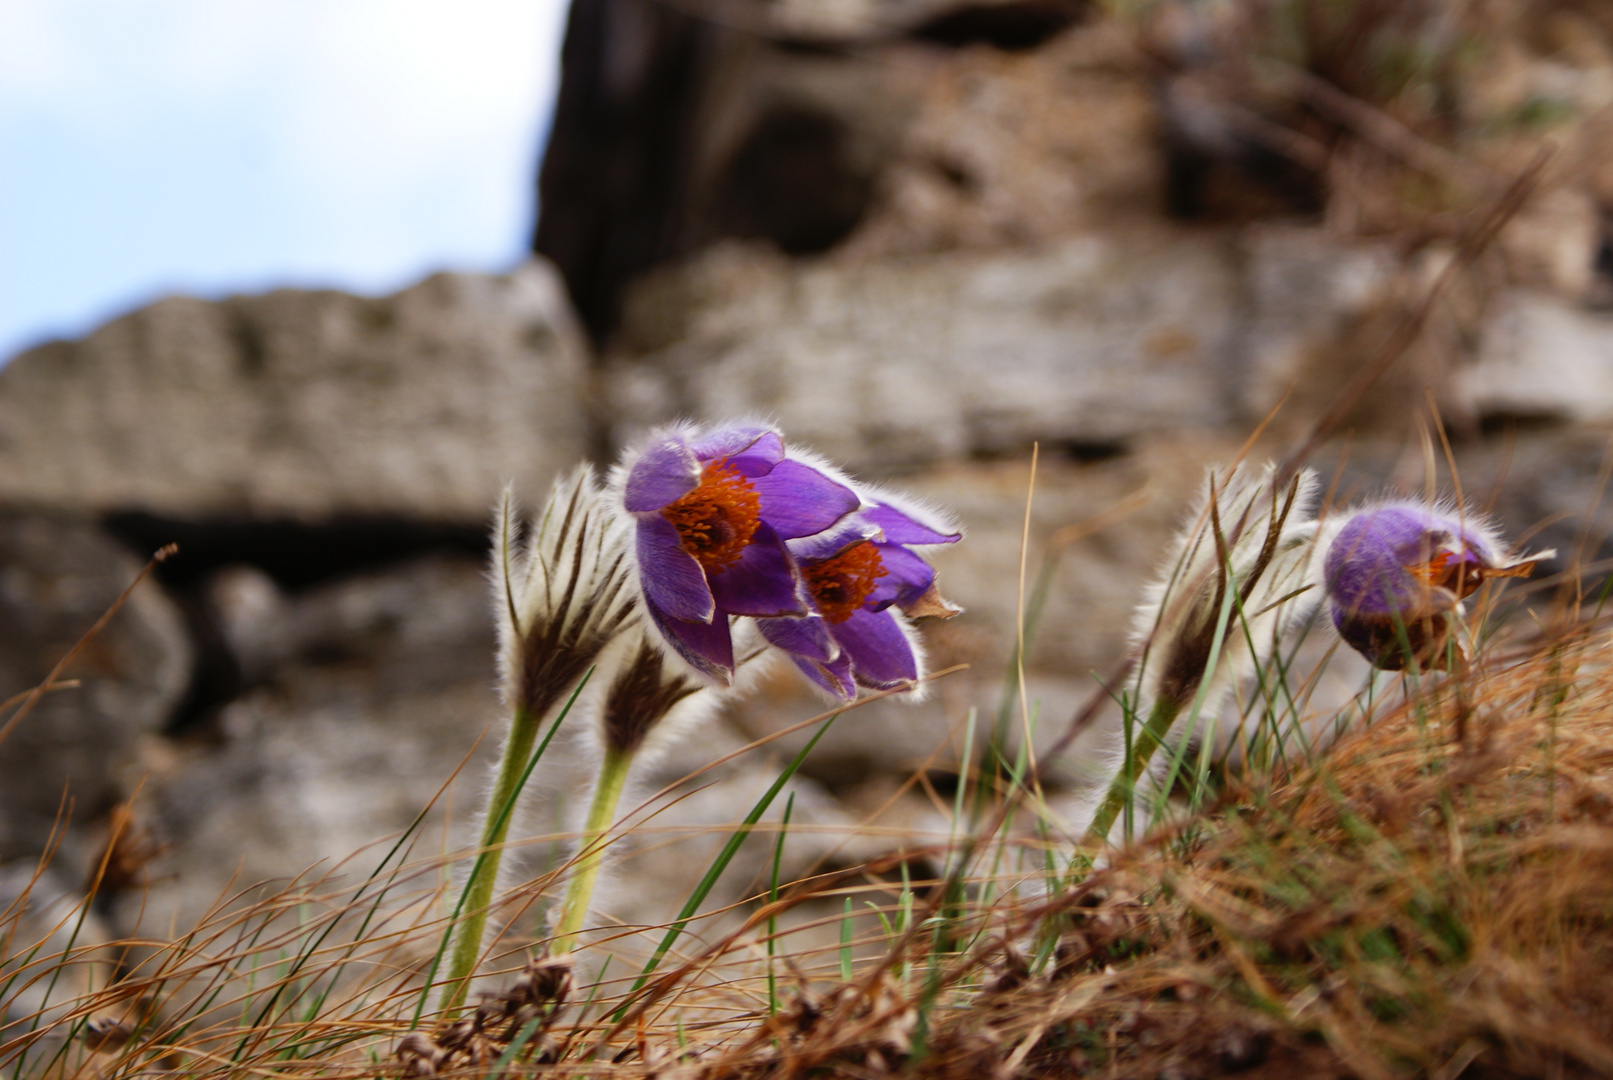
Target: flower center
[840, 583]
[717, 519]
[1446, 570]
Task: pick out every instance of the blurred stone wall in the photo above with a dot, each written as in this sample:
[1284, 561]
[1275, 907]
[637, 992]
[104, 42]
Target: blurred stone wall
[924, 235]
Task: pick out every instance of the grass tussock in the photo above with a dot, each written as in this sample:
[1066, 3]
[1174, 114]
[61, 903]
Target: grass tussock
[1405, 905]
[1410, 903]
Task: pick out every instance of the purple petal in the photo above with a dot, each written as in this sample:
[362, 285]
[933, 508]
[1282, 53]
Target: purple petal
[831, 542]
[752, 449]
[907, 576]
[1385, 639]
[901, 528]
[814, 652]
[881, 655]
[1366, 565]
[707, 647]
[805, 638]
[798, 500]
[834, 676]
[673, 581]
[764, 582]
[665, 472]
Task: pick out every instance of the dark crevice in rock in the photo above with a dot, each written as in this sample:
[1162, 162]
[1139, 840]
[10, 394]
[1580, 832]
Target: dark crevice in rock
[616, 165]
[1600, 295]
[1080, 451]
[1252, 184]
[1509, 424]
[296, 554]
[1090, 452]
[216, 678]
[250, 347]
[792, 182]
[667, 138]
[1215, 172]
[1011, 25]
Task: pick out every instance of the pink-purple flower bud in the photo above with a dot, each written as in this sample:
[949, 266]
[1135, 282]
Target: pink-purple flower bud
[1397, 573]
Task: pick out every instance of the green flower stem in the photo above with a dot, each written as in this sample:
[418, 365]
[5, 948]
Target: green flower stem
[1149, 739]
[512, 769]
[591, 854]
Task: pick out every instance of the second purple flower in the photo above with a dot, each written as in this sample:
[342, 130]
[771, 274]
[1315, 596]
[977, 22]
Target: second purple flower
[858, 576]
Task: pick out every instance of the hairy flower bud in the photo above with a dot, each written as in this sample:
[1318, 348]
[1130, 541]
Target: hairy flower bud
[564, 597]
[1245, 535]
[1397, 573]
[1236, 582]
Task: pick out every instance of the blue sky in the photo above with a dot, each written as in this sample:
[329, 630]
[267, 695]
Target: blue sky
[217, 146]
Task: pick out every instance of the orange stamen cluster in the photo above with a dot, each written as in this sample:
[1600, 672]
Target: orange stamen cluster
[840, 583]
[1444, 571]
[717, 519]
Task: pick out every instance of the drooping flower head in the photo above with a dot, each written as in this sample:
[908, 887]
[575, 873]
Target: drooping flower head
[864, 580]
[712, 510]
[1397, 573]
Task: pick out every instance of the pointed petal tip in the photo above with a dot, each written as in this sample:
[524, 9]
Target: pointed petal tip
[707, 648]
[931, 605]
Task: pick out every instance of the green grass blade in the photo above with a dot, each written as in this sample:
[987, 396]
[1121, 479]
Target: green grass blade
[845, 941]
[772, 898]
[720, 864]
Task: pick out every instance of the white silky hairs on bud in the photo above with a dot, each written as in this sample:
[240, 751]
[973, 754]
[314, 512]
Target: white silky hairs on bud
[1263, 533]
[561, 597]
[650, 697]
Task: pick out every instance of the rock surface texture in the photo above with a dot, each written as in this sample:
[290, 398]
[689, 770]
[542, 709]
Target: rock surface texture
[79, 750]
[1091, 343]
[303, 404]
[924, 235]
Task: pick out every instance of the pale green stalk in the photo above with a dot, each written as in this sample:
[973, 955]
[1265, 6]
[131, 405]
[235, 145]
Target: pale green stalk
[591, 854]
[512, 770]
[1161, 718]
[1149, 738]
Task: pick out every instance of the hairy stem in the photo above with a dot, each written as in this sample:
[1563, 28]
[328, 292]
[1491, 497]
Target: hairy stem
[1148, 740]
[512, 769]
[590, 855]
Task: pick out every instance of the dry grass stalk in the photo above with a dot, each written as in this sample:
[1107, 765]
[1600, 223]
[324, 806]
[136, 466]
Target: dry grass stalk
[1402, 906]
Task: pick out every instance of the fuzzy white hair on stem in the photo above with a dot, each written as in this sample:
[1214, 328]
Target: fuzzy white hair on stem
[1265, 537]
[1235, 581]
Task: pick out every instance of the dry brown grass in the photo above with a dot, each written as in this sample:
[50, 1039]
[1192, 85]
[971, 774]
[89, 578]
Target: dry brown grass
[1402, 906]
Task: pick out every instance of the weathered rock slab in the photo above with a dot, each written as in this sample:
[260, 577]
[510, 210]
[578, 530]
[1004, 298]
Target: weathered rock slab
[1542, 356]
[937, 359]
[303, 404]
[364, 696]
[1090, 343]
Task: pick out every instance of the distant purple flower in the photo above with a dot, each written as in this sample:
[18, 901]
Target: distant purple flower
[855, 574]
[1395, 572]
[712, 510]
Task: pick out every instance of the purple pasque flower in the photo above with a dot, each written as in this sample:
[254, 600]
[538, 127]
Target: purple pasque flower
[1397, 573]
[712, 509]
[864, 581]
